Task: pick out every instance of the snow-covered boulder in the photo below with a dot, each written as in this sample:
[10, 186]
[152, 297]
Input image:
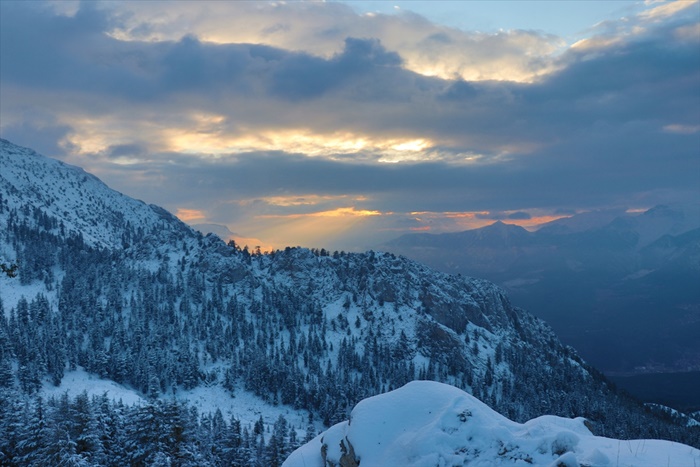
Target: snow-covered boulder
[426, 423]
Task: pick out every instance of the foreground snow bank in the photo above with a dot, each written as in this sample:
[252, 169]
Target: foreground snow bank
[432, 424]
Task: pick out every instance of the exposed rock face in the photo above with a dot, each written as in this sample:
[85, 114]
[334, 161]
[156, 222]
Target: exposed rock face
[347, 455]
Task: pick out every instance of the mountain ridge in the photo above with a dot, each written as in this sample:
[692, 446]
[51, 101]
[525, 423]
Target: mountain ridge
[594, 277]
[169, 310]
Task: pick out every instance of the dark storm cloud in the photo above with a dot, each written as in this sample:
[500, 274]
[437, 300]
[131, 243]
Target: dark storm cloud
[589, 134]
[41, 136]
[656, 81]
[300, 76]
[46, 50]
[125, 150]
[436, 186]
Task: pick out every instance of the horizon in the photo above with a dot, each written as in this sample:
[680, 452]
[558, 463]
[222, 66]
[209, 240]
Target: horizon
[342, 125]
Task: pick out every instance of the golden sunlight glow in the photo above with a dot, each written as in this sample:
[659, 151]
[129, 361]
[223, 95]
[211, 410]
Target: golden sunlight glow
[204, 119]
[300, 200]
[209, 135]
[413, 145]
[594, 43]
[253, 243]
[666, 10]
[535, 221]
[189, 215]
[317, 229]
[339, 212]
[505, 55]
[301, 141]
[506, 69]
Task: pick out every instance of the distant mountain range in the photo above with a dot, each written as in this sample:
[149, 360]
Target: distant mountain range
[116, 293]
[622, 288]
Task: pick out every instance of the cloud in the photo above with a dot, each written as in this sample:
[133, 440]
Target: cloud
[191, 96]
[42, 134]
[321, 29]
[503, 215]
[257, 113]
[300, 76]
[190, 215]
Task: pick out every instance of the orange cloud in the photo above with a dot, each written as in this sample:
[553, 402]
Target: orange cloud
[189, 215]
[315, 229]
[339, 212]
[301, 200]
[253, 243]
[534, 221]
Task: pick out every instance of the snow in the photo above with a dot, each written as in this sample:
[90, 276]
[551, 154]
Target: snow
[245, 406]
[431, 424]
[11, 291]
[691, 419]
[82, 202]
[415, 425]
[78, 381]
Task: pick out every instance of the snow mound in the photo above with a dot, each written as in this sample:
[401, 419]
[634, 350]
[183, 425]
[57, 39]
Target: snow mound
[426, 423]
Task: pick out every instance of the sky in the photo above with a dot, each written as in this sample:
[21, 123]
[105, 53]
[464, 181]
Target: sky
[343, 125]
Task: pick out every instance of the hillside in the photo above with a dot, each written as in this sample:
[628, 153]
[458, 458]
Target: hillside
[619, 287]
[126, 293]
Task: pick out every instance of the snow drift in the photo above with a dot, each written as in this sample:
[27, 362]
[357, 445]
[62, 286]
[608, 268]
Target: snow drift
[425, 423]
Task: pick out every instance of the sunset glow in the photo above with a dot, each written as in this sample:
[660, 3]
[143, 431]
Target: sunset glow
[346, 124]
[190, 215]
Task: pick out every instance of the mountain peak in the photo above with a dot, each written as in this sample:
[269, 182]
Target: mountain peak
[501, 226]
[81, 202]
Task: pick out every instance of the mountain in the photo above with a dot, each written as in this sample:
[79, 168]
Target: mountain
[220, 231]
[491, 249]
[581, 222]
[425, 423]
[619, 287]
[223, 232]
[78, 202]
[223, 356]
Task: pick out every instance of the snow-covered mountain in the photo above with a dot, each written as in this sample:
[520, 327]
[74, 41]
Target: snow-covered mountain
[426, 424]
[78, 201]
[114, 293]
[620, 287]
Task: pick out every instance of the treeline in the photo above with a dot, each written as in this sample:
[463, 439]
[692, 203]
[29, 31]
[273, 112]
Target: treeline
[97, 431]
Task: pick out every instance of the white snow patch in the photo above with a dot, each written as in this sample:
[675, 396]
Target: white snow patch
[11, 292]
[77, 381]
[245, 406]
[431, 424]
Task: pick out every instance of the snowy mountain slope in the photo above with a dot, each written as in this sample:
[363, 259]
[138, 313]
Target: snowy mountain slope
[82, 204]
[426, 423]
[243, 406]
[167, 311]
[609, 283]
[220, 231]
